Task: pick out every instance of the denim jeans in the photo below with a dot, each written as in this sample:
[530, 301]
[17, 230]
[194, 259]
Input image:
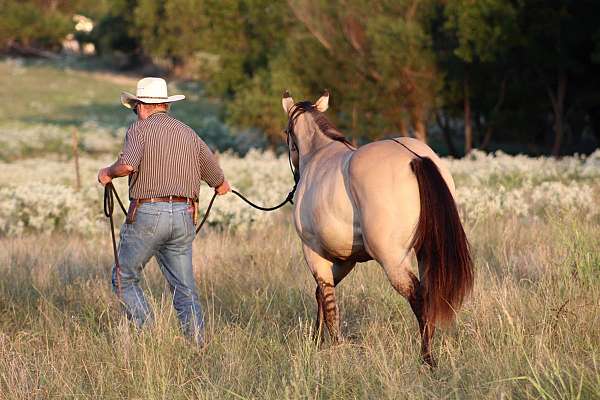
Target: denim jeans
[166, 231]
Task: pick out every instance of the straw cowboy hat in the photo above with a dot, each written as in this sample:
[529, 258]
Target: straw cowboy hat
[149, 91]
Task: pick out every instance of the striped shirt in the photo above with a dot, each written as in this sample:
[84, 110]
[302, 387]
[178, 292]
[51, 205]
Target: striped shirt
[168, 159]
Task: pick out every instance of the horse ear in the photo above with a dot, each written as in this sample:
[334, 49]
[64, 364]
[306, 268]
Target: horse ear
[323, 103]
[287, 102]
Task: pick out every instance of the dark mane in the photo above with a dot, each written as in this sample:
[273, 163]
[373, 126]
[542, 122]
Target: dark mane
[321, 120]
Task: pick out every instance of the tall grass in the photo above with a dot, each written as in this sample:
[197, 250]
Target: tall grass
[530, 330]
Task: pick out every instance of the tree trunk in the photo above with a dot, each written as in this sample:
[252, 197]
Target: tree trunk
[493, 116]
[417, 116]
[468, 127]
[446, 133]
[558, 106]
[403, 127]
[420, 130]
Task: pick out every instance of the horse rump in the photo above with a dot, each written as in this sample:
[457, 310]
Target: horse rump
[441, 246]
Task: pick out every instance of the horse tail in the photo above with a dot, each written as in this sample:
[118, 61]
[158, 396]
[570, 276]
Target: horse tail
[441, 246]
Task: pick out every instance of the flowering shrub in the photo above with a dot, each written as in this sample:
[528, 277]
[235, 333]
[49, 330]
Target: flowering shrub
[38, 195]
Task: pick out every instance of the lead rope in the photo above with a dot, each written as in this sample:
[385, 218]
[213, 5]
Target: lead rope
[288, 199]
[109, 206]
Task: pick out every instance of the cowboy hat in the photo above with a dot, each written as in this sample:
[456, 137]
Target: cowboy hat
[149, 91]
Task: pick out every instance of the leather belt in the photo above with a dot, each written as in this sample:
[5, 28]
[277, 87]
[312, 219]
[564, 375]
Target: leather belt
[166, 199]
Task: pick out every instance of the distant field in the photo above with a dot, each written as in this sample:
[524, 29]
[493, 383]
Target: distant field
[530, 330]
[46, 101]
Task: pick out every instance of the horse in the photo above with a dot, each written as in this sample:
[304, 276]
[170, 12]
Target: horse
[381, 201]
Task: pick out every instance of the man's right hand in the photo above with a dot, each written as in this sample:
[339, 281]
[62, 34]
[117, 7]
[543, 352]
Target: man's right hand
[223, 188]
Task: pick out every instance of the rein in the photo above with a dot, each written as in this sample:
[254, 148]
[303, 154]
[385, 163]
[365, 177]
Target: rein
[109, 205]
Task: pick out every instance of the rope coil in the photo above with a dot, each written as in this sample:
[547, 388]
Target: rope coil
[109, 205]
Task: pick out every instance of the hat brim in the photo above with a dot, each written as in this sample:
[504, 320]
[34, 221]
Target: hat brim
[128, 99]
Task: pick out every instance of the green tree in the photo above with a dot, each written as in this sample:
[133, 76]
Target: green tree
[32, 25]
[375, 56]
[483, 34]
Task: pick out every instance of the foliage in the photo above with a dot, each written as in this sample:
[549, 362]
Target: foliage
[396, 67]
[26, 23]
[517, 75]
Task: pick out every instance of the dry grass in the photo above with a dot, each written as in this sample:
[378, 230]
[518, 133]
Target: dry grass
[529, 331]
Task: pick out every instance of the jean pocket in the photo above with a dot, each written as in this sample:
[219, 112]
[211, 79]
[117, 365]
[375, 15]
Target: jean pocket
[145, 223]
[188, 223]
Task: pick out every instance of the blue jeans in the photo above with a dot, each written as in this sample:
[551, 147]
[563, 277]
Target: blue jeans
[166, 231]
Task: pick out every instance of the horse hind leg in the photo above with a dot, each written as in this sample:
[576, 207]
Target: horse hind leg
[408, 285]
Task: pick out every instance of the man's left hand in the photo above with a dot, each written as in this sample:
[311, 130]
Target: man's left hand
[103, 176]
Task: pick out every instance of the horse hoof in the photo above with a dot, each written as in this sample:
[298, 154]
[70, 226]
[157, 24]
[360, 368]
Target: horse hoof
[429, 361]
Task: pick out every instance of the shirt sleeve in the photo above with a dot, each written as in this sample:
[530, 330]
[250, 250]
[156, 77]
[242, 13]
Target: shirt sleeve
[207, 164]
[133, 149]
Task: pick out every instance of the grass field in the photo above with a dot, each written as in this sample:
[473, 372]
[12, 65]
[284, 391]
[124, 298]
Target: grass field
[529, 331]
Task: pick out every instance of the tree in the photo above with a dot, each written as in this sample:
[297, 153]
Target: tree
[27, 25]
[483, 34]
[376, 55]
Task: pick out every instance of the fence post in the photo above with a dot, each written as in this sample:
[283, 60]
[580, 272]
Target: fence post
[75, 144]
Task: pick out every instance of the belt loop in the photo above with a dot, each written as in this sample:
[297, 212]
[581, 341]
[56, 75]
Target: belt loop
[171, 199]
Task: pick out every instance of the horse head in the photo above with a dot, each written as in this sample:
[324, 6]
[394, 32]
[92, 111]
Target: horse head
[308, 129]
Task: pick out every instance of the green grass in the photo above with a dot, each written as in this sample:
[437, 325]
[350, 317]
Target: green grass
[530, 330]
[47, 100]
[50, 93]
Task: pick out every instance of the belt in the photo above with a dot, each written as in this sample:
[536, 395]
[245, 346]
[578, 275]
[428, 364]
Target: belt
[166, 199]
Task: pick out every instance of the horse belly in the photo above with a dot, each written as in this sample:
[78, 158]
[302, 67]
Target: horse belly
[341, 239]
[328, 223]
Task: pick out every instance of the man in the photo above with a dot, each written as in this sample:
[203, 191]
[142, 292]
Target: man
[165, 161]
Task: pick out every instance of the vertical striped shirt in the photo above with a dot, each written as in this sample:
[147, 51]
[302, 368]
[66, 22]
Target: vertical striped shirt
[168, 159]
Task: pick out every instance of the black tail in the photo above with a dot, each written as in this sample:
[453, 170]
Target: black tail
[441, 246]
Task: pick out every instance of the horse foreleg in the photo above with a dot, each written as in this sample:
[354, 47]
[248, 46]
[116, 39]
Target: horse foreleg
[322, 270]
[331, 311]
[318, 332]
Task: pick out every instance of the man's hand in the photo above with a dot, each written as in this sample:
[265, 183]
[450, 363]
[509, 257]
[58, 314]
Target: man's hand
[103, 176]
[223, 188]
[116, 170]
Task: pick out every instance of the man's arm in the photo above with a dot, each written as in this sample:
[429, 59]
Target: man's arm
[116, 170]
[128, 161]
[211, 172]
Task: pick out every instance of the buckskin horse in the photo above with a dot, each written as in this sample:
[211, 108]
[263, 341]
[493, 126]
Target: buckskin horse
[377, 202]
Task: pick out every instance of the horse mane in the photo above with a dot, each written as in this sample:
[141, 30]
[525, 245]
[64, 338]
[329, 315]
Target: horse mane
[324, 124]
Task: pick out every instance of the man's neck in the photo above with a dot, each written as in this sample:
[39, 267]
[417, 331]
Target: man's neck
[142, 117]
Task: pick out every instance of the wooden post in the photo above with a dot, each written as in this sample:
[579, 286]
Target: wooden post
[75, 144]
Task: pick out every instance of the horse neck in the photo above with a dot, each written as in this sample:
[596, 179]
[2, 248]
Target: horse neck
[311, 144]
